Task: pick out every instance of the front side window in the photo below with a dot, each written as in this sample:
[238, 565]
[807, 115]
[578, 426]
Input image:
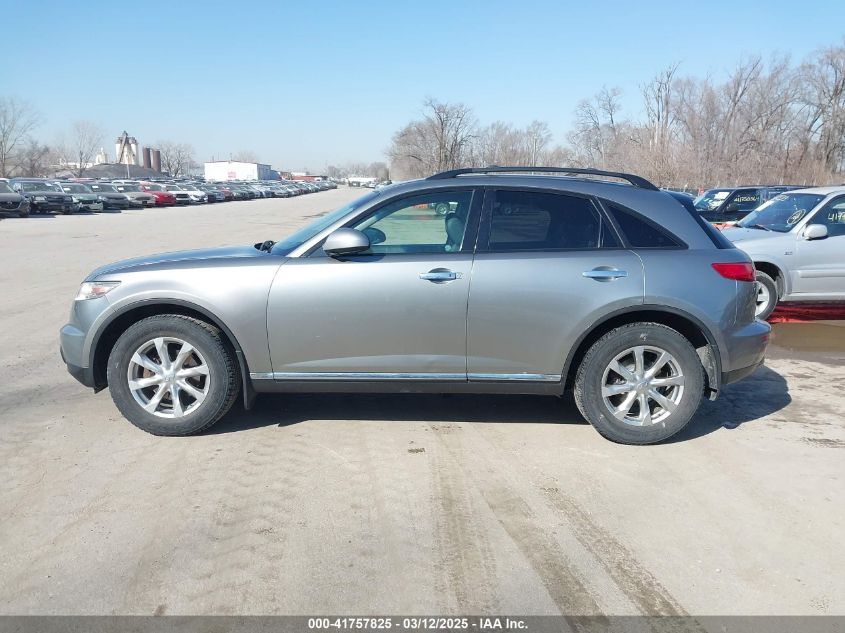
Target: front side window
[434, 222]
[833, 217]
[743, 200]
[536, 220]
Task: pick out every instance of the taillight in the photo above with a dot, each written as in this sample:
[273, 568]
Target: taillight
[743, 271]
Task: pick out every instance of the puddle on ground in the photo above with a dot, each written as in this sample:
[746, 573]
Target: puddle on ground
[813, 340]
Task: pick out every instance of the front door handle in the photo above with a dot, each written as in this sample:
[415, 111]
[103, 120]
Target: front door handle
[440, 275]
[604, 273]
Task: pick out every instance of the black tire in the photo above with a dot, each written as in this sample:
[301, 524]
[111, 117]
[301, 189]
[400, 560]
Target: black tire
[23, 214]
[771, 287]
[590, 378]
[206, 339]
[441, 208]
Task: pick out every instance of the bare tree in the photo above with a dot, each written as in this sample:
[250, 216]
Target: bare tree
[17, 120]
[439, 141]
[78, 154]
[245, 156]
[33, 159]
[176, 158]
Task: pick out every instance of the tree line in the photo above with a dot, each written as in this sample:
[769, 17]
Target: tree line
[769, 121]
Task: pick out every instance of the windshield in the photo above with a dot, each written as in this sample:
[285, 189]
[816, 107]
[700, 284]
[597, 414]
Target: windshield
[133, 188]
[76, 189]
[4, 188]
[40, 186]
[711, 199]
[289, 243]
[155, 188]
[106, 188]
[174, 188]
[782, 212]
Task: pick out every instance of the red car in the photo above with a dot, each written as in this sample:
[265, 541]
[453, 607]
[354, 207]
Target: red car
[163, 197]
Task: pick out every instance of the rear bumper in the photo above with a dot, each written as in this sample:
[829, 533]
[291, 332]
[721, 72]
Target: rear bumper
[747, 348]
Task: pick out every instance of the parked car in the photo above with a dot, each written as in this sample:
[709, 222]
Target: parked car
[182, 196]
[83, 196]
[111, 197]
[43, 196]
[214, 195]
[797, 242]
[727, 205]
[613, 290]
[12, 202]
[137, 197]
[162, 197]
[228, 194]
[195, 194]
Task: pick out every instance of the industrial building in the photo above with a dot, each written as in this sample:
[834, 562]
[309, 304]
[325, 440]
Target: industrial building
[238, 170]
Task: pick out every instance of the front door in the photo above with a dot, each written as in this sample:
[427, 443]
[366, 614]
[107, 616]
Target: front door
[397, 311]
[820, 264]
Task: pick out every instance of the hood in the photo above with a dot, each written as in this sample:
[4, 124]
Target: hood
[175, 259]
[112, 195]
[738, 234]
[10, 197]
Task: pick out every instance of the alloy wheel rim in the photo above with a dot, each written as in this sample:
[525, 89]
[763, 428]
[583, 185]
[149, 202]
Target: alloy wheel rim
[642, 385]
[168, 377]
[763, 298]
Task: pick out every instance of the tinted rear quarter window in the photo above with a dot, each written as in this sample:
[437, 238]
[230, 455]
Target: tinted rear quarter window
[639, 232]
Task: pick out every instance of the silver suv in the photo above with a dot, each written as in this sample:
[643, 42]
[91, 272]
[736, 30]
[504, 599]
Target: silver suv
[797, 242]
[528, 284]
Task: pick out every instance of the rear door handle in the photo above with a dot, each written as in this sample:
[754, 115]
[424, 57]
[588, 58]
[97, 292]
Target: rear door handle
[439, 276]
[604, 274]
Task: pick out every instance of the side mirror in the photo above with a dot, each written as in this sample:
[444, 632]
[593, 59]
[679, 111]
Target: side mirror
[346, 242]
[815, 232]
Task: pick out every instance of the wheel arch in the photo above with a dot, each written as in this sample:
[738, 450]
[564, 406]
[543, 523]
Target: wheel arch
[775, 272]
[696, 332]
[117, 323]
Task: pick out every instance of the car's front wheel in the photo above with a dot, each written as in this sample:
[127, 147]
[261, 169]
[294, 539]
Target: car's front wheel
[640, 383]
[767, 295]
[172, 375]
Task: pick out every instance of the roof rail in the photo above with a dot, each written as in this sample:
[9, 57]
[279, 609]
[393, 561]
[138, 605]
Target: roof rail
[637, 181]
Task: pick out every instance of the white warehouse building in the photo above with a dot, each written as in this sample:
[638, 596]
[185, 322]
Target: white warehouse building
[237, 170]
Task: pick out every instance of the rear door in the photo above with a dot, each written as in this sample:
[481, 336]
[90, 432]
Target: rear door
[547, 263]
[820, 268]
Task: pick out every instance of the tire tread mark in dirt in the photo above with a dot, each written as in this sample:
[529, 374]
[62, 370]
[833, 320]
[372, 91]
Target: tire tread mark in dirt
[465, 561]
[539, 548]
[637, 582]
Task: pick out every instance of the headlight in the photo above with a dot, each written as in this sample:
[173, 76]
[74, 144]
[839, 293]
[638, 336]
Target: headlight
[102, 198]
[95, 289]
[74, 198]
[40, 198]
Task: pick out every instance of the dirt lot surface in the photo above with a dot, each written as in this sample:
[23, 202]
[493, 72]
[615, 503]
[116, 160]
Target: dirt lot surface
[397, 504]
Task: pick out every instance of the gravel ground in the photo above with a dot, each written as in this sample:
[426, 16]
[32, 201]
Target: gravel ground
[396, 503]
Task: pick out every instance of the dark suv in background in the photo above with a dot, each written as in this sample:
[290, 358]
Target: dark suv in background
[44, 196]
[724, 204]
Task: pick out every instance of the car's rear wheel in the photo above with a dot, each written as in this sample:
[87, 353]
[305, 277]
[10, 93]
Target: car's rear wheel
[640, 383]
[767, 295]
[172, 375]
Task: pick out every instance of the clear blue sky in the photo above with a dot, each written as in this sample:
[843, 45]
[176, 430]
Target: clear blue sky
[305, 84]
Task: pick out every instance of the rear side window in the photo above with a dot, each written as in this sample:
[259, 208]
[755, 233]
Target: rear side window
[640, 233]
[536, 220]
